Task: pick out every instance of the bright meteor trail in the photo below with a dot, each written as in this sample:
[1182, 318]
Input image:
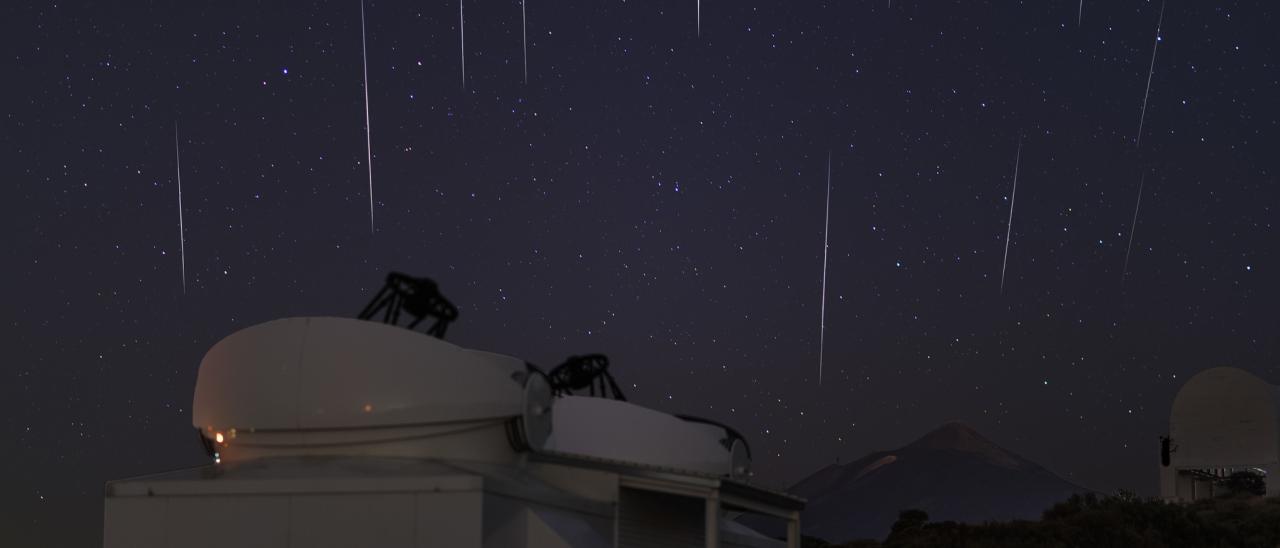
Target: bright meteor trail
[182, 234]
[1132, 227]
[368, 139]
[1009, 230]
[462, 37]
[826, 230]
[524, 40]
[1146, 94]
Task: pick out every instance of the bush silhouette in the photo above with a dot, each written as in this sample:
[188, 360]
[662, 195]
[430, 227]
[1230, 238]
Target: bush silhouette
[1122, 520]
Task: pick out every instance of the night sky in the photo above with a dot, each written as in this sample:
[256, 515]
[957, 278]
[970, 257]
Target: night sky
[651, 194]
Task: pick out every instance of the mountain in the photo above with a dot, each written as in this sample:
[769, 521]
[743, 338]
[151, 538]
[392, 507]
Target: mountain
[952, 473]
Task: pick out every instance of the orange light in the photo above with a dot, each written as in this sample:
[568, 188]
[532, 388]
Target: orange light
[218, 437]
[368, 408]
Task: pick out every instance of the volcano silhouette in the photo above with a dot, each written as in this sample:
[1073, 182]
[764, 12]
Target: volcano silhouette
[952, 473]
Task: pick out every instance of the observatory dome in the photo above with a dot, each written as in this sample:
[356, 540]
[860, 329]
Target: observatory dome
[1224, 416]
[1224, 437]
[622, 431]
[304, 374]
[343, 387]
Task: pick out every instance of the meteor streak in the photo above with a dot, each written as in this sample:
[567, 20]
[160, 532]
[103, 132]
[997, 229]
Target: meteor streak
[368, 139]
[182, 234]
[1013, 197]
[462, 37]
[1132, 227]
[1146, 94]
[524, 40]
[826, 229]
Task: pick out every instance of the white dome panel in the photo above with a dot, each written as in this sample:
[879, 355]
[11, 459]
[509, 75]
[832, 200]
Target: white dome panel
[326, 373]
[622, 431]
[1224, 417]
[249, 379]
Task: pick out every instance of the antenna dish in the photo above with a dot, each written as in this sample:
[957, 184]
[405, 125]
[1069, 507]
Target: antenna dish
[535, 422]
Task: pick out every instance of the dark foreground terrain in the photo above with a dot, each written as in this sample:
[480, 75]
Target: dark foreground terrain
[1122, 520]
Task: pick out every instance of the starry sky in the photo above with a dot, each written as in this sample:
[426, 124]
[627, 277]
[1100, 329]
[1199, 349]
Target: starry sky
[650, 193]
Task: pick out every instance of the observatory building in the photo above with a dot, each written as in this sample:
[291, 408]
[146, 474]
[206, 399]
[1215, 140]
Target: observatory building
[345, 432]
[1222, 433]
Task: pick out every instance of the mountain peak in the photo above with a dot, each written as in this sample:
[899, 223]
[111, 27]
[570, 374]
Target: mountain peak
[958, 436]
[952, 472]
[951, 435]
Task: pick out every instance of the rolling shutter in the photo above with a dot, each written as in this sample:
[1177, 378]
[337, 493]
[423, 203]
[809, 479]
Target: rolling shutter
[658, 520]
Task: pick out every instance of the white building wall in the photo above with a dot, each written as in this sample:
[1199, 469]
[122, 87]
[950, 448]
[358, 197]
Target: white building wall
[449, 519]
[407, 520]
[326, 521]
[129, 522]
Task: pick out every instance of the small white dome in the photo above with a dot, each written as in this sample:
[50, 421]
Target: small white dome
[339, 373]
[622, 431]
[1225, 417]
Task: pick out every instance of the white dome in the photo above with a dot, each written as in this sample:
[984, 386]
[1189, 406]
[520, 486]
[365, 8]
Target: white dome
[622, 431]
[337, 373]
[1224, 417]
[336, 386]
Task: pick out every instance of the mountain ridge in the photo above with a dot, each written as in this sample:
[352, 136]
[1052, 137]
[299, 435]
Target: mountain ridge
[951, 472]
